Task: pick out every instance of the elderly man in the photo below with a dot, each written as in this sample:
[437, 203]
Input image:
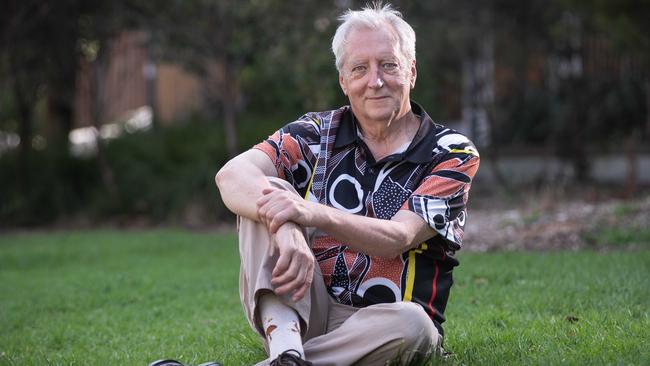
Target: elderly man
[348, 218]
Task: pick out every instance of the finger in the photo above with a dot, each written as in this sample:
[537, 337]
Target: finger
[266, 198]
[262, 200]
[269, 210]
[289, 287]
[261, 211]
[301, 291]
[281, 265]
[267, 214]
[267, 190]
[279, 213]
[278, 220]
[263, 217]
[273, 246]
[292, 286]
[288, 275]
[296, 276]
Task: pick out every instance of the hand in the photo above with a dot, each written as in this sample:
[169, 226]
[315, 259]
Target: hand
[294, 270]
[277, 206]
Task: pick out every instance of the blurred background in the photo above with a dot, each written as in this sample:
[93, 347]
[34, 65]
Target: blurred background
[120, 112]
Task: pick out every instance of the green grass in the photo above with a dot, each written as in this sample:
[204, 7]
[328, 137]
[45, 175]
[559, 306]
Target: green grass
[127, 298]
[121, 298]
[618, 236]
[548, 309]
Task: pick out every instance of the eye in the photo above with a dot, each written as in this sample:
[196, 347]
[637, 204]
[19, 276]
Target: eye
[389, 66]
[358, 69]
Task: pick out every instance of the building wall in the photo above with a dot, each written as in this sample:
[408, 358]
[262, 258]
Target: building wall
[176, 93]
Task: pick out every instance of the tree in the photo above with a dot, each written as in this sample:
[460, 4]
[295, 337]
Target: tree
[228, 43]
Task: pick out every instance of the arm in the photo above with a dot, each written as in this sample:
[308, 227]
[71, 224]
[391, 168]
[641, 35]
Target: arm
[383, 238]
[242, 179]
[386, 238]
[240, 183]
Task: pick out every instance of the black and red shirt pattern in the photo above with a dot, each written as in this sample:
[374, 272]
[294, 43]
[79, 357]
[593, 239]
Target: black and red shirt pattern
[323, 156]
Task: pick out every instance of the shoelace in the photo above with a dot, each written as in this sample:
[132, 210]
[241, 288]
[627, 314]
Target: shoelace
[290, 357]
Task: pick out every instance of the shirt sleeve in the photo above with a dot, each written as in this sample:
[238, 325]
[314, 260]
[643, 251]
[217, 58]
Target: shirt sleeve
[441, 197]
[293, 149]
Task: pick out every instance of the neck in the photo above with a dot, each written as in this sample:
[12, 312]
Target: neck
[395, 128]
[384, 138]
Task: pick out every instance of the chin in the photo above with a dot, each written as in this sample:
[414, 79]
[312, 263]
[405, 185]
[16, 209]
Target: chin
[384, 115]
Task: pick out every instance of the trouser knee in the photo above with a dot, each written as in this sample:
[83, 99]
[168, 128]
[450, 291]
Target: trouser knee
[416, 330]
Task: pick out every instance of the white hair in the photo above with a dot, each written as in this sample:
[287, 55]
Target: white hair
[373, 16]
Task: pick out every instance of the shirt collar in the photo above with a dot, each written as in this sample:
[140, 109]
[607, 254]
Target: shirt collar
[419, 151]
[347, 132]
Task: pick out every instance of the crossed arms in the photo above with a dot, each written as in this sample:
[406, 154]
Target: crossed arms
[245, 190]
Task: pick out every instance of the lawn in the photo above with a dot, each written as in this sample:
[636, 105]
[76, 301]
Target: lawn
[127, 298]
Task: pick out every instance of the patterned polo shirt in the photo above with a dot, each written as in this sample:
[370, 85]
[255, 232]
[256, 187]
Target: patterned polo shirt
[324, 157]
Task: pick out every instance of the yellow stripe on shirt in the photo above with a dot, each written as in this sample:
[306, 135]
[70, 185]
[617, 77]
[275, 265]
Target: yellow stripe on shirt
[311, 180]
[410, 276]
[464, 151]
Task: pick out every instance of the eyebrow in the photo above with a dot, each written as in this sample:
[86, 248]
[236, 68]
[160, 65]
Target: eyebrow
[389, 57]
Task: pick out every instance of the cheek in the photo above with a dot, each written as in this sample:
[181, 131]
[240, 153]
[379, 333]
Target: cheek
[355, 89]
[403, 79]
[403, 84]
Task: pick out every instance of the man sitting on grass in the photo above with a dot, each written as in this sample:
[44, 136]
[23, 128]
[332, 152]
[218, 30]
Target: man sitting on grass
[348, 218]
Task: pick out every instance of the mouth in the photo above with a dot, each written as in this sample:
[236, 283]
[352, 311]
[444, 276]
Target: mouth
[377, 98]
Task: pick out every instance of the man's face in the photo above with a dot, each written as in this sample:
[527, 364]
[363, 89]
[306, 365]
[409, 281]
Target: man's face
[375, 76]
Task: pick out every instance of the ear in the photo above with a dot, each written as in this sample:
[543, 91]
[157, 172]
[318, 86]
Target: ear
[414, 74]
[342, 83]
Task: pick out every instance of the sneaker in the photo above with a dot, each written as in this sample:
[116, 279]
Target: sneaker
[166, 363]
[211, 363]
[290, 358]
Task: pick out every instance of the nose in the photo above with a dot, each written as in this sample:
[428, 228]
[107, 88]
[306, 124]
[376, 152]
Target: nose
[375, 81]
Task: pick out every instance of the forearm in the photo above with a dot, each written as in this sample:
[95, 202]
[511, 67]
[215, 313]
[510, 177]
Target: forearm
[377, 237]
[240, 184]
[383, 238]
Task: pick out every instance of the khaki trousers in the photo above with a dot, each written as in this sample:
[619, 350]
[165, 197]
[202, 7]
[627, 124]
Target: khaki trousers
[332, 333]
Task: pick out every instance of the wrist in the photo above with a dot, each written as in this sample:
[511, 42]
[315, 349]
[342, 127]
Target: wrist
[313, 217]
[323, 216]
[288, 226]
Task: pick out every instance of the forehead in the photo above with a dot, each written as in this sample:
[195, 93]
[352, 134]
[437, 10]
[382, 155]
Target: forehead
[364, 43]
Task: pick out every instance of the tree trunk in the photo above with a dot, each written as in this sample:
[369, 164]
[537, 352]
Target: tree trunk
[478, 110]
[647, 107]
[60, 113]
[230, 101]
[61, 93]
[25, 133]
[97, 89]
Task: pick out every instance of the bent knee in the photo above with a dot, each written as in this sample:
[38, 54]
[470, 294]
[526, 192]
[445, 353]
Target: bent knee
[415, 327]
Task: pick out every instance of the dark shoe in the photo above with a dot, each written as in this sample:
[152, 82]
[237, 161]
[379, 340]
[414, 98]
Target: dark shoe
[166, 363]
[290, 358]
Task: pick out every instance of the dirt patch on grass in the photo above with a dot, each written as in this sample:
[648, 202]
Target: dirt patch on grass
[549, 224]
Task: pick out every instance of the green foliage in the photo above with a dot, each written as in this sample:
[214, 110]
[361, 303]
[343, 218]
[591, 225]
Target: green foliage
[57, 185]
[161, 173]
[268, 61]
[164, 175]
[107, 297]
[626, 226]
[620, 236]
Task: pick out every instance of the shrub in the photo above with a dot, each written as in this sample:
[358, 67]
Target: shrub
[163, 175]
